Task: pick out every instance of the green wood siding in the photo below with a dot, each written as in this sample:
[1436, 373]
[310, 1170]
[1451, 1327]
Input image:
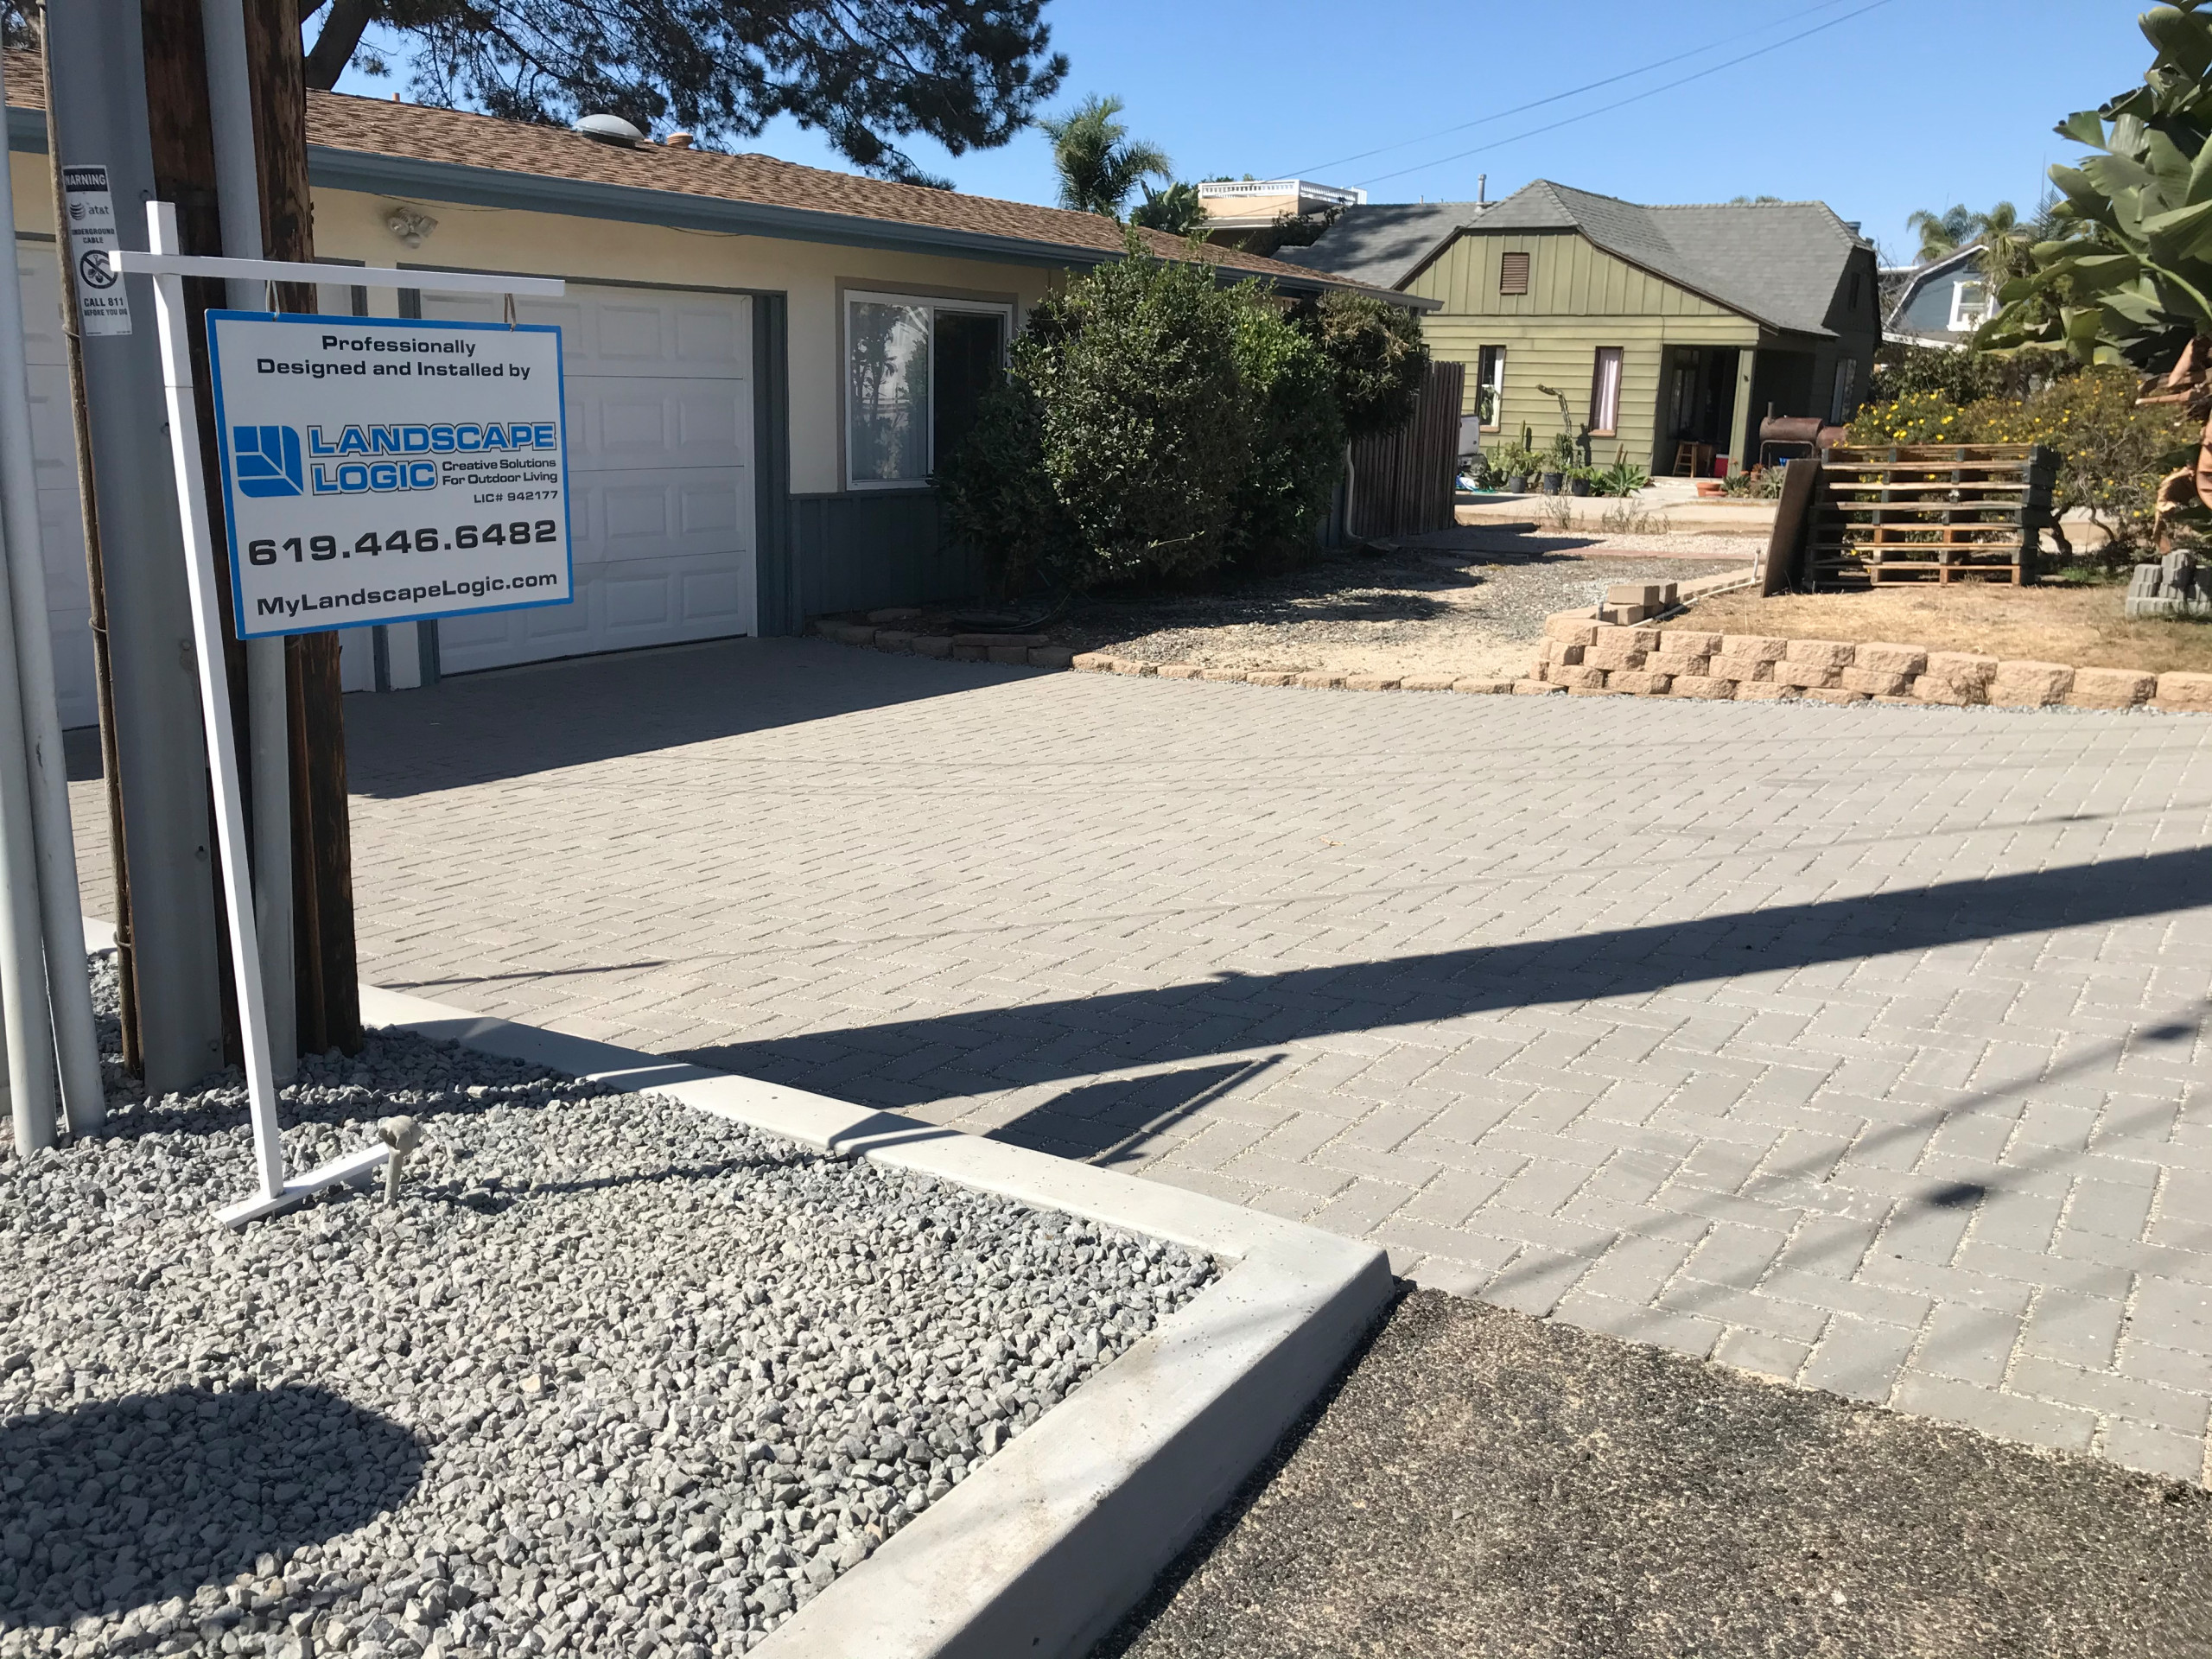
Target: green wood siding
[1580, 298]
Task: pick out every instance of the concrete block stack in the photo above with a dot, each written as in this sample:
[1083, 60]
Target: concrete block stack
[1628, 603]
[1590, 656]
[2176, 586]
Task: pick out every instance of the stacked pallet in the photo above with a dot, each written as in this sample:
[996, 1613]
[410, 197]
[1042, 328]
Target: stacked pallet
[1938, 512]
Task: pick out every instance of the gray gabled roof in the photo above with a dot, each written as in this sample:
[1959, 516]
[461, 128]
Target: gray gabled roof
[1777, 262]
[1384, 244]
[1924, 275]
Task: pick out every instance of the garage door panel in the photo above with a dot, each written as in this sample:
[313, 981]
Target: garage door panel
[630, 422]
[671, 514]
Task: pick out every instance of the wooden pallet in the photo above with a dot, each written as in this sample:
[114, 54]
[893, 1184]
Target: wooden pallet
[1930, 514]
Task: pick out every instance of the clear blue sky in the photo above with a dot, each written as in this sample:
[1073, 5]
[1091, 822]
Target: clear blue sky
[1913, 104]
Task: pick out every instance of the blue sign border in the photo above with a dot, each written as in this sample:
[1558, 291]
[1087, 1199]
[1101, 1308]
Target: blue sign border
[229, 486]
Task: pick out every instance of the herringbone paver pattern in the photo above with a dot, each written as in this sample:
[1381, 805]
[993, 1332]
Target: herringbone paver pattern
[1861, 1048]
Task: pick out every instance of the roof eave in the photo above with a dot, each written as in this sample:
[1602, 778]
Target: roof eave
[351, 170]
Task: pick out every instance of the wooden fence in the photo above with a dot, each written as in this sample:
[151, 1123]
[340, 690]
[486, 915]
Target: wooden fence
[1937, 512]
[1402, 483]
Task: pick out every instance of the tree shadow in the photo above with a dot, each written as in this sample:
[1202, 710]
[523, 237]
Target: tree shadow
[123, 1504]
[1115, 1121]
[1045, 1041]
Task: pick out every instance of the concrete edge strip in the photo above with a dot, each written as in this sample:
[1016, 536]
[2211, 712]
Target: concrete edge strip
[1054, 1538]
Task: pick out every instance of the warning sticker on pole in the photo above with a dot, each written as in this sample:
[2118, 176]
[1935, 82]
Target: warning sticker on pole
[102, 306]
[383, 469]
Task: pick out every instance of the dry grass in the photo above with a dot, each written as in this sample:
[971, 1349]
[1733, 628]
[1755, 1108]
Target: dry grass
[2083, 627]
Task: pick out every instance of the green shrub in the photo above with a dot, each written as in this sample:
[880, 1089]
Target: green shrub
[1377, 356]
[1298, 436]
[998, 498]
[1122, 437]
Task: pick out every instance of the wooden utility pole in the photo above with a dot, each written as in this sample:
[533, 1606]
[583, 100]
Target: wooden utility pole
[179, 116]
[323, 842]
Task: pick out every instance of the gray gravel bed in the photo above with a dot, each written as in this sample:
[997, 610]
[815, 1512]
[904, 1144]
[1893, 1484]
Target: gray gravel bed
[614, 1376]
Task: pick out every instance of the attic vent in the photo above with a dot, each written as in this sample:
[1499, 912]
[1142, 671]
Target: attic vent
[1513, 273]
[609, 129]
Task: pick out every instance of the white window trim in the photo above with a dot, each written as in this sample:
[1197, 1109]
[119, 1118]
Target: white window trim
[1965, 314]
[935, 304]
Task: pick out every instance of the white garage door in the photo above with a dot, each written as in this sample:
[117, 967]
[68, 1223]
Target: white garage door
[660, 392]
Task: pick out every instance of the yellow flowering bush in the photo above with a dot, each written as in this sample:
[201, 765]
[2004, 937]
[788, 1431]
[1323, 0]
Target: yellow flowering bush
[2111, 454]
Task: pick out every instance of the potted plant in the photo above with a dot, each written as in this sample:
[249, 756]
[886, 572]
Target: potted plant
[1578, 480]
[1552, 481]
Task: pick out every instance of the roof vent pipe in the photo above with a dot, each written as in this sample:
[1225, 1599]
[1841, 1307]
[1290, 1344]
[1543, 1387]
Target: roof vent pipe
[608, 130]
[678, 140]
[1482, 189]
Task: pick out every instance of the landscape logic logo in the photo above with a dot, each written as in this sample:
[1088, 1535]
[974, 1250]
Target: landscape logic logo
[268, 460]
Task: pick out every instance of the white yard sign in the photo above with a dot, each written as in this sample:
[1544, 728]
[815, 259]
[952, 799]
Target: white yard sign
[382, 470]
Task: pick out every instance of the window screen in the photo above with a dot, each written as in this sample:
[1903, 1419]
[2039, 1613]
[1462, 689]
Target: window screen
[1513, 273]
[1606, 391]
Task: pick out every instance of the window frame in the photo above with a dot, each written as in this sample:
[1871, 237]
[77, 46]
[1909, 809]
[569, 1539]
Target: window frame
[933, 303]
[1611, 430]
[1490, 357]
[1969, 314]
[1505, 258]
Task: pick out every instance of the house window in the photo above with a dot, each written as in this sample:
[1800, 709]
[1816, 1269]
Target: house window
[1605, 393]
[1513, 273]
[1846, 390]
[1855, 291]
[916, 371]
[1969, 303]
[1489, 386]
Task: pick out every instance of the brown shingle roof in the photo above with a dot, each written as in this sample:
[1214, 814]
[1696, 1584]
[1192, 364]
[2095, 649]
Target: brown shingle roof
[369, 128]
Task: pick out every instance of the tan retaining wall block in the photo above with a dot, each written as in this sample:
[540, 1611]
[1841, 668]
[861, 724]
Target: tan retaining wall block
[1819, 653]
[1616, 650]
[1808, 674]
[1683, 642]
[1885, 658]
[1570, 629]
[1766, 691]
[1576, 675]
[1961, 667]
[1699, 685]
[1930, 688]
[1638, 684]
[1876, 683]
[1725, 667]
[1752, 647]
[2030, 685]
[2111, 688]
[2185, 692]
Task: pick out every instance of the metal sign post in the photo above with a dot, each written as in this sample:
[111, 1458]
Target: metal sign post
[169, 268]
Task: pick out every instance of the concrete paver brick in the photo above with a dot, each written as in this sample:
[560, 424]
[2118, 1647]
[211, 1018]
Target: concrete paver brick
[1761, 1354]
[1858, 1357]
[1407, 964]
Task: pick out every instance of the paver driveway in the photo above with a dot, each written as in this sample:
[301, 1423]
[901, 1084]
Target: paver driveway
[1863, 1047]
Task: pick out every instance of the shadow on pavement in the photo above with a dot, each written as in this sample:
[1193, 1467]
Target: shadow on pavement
[478, 729]
[1030, 1043]
[126, 1502]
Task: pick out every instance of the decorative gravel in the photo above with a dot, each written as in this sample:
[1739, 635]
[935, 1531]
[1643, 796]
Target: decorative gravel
[613, 1377]
[1465, 601]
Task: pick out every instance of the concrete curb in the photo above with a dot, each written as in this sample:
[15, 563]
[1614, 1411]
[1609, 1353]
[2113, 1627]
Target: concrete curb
[1050, 1541]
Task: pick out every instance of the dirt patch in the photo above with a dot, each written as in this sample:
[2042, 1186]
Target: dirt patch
[1484, 1485]
[1465, 602]
[2083, 627]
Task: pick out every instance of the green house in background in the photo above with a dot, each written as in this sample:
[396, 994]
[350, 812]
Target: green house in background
[1664, 327]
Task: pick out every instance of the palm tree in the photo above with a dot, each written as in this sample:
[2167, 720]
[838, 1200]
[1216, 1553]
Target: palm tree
[1099, 163]
[1943, 234]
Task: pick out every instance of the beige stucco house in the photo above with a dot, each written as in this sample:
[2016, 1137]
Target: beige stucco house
[762, 362]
